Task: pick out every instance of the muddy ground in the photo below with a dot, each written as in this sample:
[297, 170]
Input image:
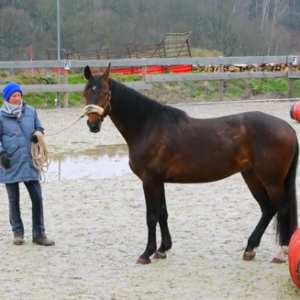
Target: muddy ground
[95, 211]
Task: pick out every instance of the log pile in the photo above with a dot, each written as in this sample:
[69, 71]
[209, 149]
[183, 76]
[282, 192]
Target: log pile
[247, 68]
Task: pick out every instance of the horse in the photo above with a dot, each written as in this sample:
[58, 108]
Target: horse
[166, 145]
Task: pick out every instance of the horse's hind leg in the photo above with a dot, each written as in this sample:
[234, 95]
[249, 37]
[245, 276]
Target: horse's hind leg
[278, 196]
[268, 210]
[166, 241]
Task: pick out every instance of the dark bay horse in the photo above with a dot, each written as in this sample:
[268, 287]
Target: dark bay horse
[168, 146]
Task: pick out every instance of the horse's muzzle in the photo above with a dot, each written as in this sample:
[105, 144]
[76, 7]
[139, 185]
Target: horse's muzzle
[95, 126]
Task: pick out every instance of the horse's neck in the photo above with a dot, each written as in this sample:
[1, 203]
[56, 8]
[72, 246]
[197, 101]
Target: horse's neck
[123, 114]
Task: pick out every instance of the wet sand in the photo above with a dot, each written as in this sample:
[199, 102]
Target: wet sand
[95, 211]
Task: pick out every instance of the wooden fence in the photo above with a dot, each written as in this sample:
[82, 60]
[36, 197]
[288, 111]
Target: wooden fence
[291, 66]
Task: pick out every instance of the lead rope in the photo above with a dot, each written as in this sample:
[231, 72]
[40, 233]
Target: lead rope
[40, 156]
[39, 151]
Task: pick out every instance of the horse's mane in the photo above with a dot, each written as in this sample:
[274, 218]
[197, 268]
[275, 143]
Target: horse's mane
[144, 107]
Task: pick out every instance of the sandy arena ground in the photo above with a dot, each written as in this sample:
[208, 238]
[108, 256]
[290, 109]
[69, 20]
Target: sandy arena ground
[100, 229]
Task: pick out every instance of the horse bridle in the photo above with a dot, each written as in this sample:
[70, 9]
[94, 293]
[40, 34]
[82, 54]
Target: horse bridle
[107, 104]
[100, 111]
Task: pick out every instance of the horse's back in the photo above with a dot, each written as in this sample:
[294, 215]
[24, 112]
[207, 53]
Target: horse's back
[271, 143]
[214, 148]
[250, 118]
[263, 119]
[268, 128]
[255, 123]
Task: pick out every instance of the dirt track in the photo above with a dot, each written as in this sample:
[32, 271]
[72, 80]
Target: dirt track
[100, 228]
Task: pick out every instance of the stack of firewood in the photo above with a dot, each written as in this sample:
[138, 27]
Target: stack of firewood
[247, 68]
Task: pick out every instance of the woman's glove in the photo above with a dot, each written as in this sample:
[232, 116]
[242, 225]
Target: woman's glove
[34, 139]
[5, 160]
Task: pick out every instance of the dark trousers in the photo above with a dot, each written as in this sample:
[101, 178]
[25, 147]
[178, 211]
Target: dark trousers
[35, 192]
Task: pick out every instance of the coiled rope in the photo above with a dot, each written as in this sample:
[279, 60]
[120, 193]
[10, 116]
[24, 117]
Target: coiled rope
[40, 155]
[39, 151]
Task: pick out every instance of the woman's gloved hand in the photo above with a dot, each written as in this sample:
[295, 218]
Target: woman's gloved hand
[5, 160]
[34, 139]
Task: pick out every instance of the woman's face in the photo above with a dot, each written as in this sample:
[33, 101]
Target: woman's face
[15, 98]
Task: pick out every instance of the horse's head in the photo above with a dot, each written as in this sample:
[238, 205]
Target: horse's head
[97, 95]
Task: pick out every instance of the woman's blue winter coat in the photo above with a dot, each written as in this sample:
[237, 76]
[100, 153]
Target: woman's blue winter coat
[15, 135]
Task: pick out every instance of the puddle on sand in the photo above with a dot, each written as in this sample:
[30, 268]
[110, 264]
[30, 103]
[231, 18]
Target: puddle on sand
[101, 162]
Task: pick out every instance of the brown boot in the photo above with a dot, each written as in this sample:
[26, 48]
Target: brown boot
[43, 241]
[18, 240]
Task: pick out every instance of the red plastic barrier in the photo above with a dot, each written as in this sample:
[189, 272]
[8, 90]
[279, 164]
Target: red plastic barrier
[294, 257]
[139, 70]
[32, 71]
[151, 70]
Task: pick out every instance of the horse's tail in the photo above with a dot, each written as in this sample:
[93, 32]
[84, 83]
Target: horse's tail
[287, 219]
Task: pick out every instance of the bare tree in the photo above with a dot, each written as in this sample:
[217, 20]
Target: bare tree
[234, 27]
[15, 32]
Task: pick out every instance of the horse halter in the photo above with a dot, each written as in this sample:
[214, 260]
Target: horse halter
[92, 108]
[107, 104]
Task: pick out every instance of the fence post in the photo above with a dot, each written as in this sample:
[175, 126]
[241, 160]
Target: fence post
[221, 84]
[291, 80]
[144, 73]
[66, 94]
[67, 67]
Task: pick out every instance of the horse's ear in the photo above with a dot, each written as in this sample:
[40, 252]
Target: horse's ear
[106, 74]
[87, 73]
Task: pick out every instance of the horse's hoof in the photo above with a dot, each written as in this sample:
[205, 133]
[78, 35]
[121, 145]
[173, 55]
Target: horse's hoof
[143, 261]
[281, 255]
[277, 260]
[160, 255]
[249, 255]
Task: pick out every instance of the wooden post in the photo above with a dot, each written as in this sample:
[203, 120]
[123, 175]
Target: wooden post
[291, 80]
[66, 94]
[221, 84]
[144, 73]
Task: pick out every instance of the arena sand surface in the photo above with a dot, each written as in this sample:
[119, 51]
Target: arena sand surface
[95, 211]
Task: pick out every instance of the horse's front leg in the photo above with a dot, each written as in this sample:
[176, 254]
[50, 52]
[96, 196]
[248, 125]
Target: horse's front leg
[166, 241]
[152, 191]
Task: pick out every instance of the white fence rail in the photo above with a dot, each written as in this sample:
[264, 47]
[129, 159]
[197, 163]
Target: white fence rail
[140, 62]
[149, 79]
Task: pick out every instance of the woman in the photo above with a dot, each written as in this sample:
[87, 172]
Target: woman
[19, 124]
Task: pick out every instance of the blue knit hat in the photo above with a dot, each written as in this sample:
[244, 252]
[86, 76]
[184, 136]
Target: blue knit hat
[10, 88]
